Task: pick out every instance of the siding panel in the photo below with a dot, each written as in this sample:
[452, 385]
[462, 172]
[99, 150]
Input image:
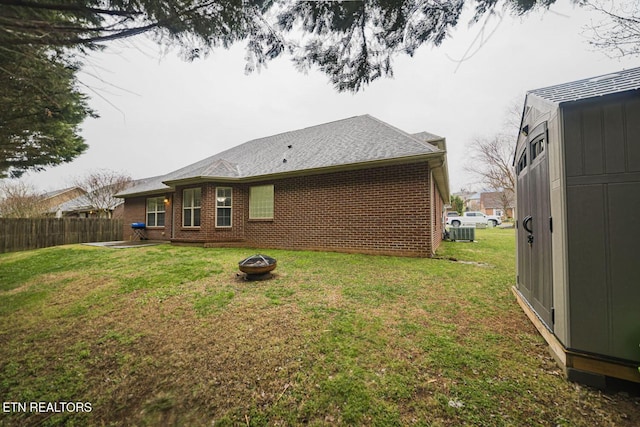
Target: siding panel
[573, 142]
[592, 141]
[614, 139]
[587, 268]
[624, 268]
[633, 134]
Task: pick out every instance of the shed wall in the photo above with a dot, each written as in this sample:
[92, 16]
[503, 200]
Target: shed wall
[602, 158]
[538, 112]
[557, 195]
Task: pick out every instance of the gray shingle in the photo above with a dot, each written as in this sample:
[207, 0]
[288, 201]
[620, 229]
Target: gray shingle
[79, 203]
[146, 185]
[354, 140]
[426, 137]
[620, 81]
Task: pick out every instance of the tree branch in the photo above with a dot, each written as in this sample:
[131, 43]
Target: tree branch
[69, 8]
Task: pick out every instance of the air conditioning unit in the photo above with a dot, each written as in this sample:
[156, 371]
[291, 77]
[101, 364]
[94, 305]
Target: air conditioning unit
[462, 233]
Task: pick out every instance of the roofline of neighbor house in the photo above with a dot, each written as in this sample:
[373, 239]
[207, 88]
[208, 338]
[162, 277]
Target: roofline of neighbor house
[56, 193]
[436, 161]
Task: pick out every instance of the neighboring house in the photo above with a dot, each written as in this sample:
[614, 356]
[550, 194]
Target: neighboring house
[470, 199]
[472, 203]
[54, 199]
[493, 203]
[82, 207]
[80, 204]
[354, 185]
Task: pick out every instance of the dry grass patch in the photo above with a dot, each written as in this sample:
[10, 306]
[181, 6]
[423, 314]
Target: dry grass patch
[171, 336]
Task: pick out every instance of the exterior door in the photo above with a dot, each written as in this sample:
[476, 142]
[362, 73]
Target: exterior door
[535, 225]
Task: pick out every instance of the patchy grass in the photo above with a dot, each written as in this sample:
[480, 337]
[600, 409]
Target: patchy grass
[169, 335]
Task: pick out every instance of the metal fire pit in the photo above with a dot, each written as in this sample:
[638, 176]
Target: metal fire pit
[257, 267]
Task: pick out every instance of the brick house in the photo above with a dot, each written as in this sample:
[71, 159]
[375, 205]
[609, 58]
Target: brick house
[54, 199]
[82, 207]
[353, 185]
[500, 203]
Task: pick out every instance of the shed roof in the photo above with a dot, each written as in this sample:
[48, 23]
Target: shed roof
[607, 84]
[350, 141]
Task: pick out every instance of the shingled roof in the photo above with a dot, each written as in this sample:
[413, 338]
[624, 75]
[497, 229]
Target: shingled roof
[353, 141]
[620, 81]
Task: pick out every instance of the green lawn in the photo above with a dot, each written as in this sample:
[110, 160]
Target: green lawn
[169, 335]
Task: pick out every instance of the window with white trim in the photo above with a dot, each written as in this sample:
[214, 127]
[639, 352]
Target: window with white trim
[191, 207]
[155, 212]
[223, 206]
[261, 202]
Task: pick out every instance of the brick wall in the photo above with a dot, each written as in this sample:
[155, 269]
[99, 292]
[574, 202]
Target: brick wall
[208, 232]
[437, 217]
[135, 210]
[384, 210]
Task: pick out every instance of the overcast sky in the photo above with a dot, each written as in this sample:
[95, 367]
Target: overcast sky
[159, 113]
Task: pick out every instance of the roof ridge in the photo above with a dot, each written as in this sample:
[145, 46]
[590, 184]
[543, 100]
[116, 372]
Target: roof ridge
[53, 193]
[400, 131]
[591, 78]
[604, 84]
[353, 140]
[226, 164]
[298, 130]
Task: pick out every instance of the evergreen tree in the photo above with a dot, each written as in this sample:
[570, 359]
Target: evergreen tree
[41, 109]
[353, 42]
[457, 204]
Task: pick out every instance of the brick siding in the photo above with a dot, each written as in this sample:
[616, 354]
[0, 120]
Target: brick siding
[382, 210]
[135, 210]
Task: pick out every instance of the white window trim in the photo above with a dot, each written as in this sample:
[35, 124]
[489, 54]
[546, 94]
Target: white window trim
[191, 208]
[272, 203]
[225, 207]
[159, 205]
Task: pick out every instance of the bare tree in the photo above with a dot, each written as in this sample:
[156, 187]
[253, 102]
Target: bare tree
[20, 200]
[101, 186]
[618, 34]
[490, 160]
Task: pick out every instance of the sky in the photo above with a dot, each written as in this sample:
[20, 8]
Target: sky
[160, 113]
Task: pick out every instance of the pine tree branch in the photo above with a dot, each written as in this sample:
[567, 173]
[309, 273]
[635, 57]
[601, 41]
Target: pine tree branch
[69, 8]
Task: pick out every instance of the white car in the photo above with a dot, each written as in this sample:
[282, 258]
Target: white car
[473, 218]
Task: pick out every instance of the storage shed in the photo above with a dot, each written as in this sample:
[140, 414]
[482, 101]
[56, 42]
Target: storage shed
[577, 162]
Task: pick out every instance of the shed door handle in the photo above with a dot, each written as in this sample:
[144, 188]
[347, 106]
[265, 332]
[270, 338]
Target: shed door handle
[526, 224]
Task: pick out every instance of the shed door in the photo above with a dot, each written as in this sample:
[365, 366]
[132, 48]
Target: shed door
[534, 225]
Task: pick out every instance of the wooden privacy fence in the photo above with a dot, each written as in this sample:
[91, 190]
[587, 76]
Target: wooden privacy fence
[32, 233]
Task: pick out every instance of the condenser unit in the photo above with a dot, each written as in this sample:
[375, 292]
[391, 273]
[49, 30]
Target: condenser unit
[462, 233]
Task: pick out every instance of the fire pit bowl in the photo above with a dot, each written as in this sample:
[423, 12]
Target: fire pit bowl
[257, 267]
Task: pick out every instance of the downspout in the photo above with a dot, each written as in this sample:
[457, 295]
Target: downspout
[433, 223]
[440, 177]
[173, 218]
